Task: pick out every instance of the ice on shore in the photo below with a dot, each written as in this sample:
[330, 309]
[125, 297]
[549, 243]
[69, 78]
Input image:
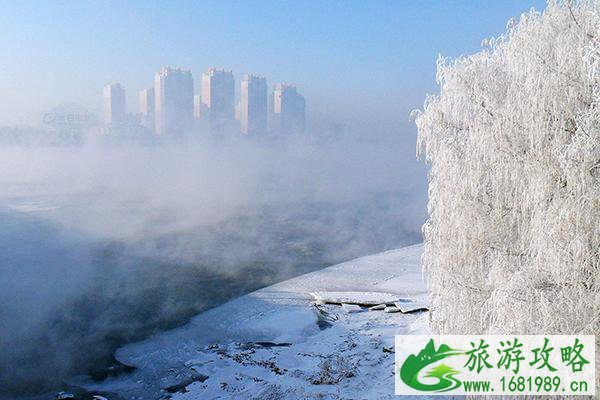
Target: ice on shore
[277, 343]
[351, 308]
[360, 298]
[412, 306]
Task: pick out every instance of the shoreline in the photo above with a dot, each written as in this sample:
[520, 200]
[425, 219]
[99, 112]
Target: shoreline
[276, 342]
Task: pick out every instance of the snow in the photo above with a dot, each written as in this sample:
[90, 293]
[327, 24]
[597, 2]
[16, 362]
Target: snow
[412, 306]
[279, 343]
[351, 308]
[361, 298]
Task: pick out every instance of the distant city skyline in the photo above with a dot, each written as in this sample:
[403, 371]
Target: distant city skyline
[355, 60]
[172, 108]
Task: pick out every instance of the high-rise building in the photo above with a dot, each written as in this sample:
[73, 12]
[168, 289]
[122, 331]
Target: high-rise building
[218, 97]
[253, 105]
[114, 104]
[174, 101]
[289, 110]
[147, 107]
[198, 106]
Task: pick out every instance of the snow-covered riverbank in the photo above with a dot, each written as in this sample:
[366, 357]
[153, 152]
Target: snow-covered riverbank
[279, 343]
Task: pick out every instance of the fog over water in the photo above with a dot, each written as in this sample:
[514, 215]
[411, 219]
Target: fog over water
[106, 244]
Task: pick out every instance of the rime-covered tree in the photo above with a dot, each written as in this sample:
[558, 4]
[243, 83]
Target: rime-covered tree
[512, 243]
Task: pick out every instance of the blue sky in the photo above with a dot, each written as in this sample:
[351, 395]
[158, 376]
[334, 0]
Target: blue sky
[369, 60]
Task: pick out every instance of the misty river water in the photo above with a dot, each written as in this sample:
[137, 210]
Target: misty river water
[70, 298]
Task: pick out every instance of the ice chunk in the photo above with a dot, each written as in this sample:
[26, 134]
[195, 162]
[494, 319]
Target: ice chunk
[411, 307]
[351, 308]
[360, 298]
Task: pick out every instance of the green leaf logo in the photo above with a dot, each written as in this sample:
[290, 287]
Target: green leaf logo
[413, 365]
